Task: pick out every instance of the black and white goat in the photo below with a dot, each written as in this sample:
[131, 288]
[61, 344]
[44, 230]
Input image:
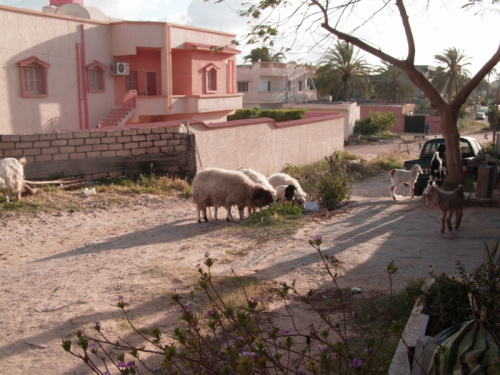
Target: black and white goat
[437, 165]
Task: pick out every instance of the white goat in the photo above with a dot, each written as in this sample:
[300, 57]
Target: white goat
[284, 179]
[259, 178]
[449, 202]
[399, 176]
[12, 176]
[220, 187]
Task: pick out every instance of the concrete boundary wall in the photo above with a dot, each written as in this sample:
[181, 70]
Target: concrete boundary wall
[266, 146]
[178, 148]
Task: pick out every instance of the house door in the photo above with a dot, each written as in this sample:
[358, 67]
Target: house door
[151, 83]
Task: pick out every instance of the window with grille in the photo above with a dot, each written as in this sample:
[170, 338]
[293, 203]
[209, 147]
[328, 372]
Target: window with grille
[242, 86]
[95, 77]
[211, 78]
[33, 77]
[131, 81]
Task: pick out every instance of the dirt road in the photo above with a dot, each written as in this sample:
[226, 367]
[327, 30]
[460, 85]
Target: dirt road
[62, 272]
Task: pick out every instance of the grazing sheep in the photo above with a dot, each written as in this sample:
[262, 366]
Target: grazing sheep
[449, 202]
[12, 176]
[399, 176]
[220, 187]
[284, 179]
[259, 178]
[285, 192]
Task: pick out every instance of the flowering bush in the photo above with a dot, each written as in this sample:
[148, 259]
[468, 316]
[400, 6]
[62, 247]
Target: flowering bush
[240, 340]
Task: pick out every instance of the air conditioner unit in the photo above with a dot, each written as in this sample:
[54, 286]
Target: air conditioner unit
[120, 69]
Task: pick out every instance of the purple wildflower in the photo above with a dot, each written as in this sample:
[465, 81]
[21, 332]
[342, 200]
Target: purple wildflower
[92, 345]
[286, 332]
[317, 237]
[207, 255]
[248, 354]
[254, 299]
[356, 363]
[238, 338]
[322, 347]
[199, 264]
[210, 312]
[120, 298]
[97, 324]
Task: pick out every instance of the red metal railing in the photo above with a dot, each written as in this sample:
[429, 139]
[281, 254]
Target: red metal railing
[119, 111]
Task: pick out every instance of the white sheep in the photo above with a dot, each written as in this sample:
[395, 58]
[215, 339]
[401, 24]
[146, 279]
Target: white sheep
[284, 179]
[12, 176]
[285, 192]
[399, 176]
[259, 178]
[213, 187]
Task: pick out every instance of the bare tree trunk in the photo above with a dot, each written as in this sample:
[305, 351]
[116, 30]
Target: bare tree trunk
[450, 132]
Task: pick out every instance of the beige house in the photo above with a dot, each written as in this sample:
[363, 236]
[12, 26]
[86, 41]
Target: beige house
[271, 85]
[69, 67]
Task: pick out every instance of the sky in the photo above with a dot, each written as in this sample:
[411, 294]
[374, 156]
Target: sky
[435, 29]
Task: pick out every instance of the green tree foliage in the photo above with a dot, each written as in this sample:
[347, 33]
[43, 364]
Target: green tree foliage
[343, 72]
[451, 77]
[263, 54]
[392, 85]
[377, 122]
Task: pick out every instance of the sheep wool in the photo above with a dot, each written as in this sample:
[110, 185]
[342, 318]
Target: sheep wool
[220, 187]
[12, 176]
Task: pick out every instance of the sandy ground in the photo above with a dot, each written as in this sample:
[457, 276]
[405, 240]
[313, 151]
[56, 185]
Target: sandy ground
[62, 272]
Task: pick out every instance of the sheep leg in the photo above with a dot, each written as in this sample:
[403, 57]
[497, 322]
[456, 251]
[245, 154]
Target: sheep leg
[241, 211]
[458, 218]
[216, 208]
[443, 219]
[229, 217]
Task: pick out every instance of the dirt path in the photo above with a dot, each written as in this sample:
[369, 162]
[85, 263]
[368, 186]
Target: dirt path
[62, 272]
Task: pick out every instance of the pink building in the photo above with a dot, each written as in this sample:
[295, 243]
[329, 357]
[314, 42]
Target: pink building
[78, 69]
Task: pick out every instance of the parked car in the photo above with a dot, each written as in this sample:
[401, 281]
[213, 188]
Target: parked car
[472, 157]
[480, 116]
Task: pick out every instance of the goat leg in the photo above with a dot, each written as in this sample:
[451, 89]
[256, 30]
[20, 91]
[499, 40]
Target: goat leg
[393, 190]
[458, 218]
[448, 220]
[443, 219]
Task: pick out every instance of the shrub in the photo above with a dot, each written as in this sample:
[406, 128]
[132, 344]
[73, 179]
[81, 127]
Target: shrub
[376, 123]
[365, 126]
[278, 115]
[243, 339]
[244, 113]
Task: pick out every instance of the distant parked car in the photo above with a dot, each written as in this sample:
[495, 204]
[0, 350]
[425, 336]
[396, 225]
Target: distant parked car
[480, 116]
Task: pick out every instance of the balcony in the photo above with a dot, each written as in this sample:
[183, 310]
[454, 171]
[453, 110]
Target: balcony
[272, 69]
[158, 105]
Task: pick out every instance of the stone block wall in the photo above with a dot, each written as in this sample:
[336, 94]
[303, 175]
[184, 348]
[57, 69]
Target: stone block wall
[96, 154]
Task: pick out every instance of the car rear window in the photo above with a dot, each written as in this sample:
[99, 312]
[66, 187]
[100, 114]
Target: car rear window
[430, 148]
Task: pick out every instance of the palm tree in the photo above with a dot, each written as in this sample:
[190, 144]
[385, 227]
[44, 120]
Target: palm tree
[392, 85]
[342, 71]
[263, 54]
[452, 77]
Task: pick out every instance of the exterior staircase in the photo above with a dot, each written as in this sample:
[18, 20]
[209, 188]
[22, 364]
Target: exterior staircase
[121, 112]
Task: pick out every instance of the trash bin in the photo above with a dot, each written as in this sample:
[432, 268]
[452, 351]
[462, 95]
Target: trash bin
[485, 181]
